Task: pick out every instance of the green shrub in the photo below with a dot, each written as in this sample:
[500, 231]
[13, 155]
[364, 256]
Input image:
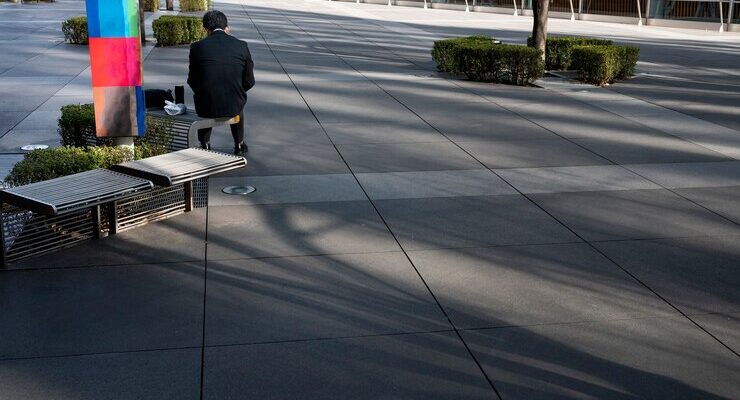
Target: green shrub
[75, 30]
[41, 165]
[628, 56]
[604, 64]
[76, 124]
[151, 5]
[443, 51]
[559, 49]
[77, 129]
[597, 64]
[194, 5]
[170, 30]
[501, 63]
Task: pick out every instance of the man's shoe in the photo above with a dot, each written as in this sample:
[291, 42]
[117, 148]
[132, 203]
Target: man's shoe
[241, 149]
[205, 146]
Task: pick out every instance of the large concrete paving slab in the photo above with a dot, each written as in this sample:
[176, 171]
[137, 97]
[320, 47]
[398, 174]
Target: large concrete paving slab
[101, 310]
[296, 229]
[300, 298]
[691, 175]
[574, 179]
[697, 275]
[634, 214]
[532, 285]
[470, 222]
[425, 184]
[423, 366]
[404, 157]
[618, 359]
[150, 375]
[480, 121]
[555, 152]
[722, 200]
[286, 189]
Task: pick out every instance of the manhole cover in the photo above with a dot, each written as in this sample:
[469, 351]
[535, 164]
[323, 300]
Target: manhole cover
[241, 190]
[30, 147]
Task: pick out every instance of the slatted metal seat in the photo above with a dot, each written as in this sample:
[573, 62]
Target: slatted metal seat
[74, 192]
[65, 210]
[182, 167]
[185, 126]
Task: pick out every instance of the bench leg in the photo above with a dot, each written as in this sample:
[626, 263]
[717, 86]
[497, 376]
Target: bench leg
[112, 218]
[188, 196]
[2, 239]
[96, 221]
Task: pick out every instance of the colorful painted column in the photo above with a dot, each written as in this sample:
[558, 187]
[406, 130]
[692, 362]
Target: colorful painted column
[117, 73]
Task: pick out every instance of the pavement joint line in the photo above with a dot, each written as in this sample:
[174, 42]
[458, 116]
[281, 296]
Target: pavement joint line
[431, 249]
[631, 118]
[380, 215]
[559, 221]
[367, 336]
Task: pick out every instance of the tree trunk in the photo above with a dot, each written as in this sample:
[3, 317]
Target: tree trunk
[170, 5]
[142, 28]
[539, 29]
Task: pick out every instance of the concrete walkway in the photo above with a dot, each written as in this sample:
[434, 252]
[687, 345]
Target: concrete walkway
[411, 236]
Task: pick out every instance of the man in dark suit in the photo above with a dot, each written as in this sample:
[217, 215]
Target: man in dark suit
[221, 73]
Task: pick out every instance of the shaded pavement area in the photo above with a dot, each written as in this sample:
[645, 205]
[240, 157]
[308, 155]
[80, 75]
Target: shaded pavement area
[411, 236]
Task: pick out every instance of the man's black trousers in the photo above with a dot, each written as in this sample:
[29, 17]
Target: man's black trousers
[237, 132]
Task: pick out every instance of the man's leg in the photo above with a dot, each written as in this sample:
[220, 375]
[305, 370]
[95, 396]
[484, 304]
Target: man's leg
[237, 132]
[204, 137]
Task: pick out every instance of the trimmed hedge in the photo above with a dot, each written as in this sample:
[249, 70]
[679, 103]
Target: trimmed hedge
[41, 165]
[443, 51]
[501, 63]
[77, 129]
[601, 65]
[75, 30]
[628, 56]
[480, 58]
[171, 30]
[151, 5]
[559, 49]
[194, 5]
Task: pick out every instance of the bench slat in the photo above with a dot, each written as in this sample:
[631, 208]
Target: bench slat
[181, 166]
[73, 192]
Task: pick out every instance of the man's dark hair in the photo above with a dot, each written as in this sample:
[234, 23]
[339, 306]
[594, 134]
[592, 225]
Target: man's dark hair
[214, 19]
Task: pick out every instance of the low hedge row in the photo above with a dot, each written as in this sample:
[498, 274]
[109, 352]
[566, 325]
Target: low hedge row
[501, 63]
[600, 65]
[171, 30]
[75, 30]
[194, 5]
[443, 51]
[559, 49]
[480, 58]
[76, 127]
[41, 165]
[151, 5]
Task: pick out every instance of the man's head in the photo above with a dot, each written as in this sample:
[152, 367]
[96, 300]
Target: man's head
[213, 20]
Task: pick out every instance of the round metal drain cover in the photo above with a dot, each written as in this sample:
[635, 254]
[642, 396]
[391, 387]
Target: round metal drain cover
[30, 147]
[242, 190]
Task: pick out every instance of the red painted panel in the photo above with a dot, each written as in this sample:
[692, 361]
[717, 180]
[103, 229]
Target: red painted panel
[115, 61]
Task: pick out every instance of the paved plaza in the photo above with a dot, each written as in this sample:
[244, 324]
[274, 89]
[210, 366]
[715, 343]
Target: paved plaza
[412, 236]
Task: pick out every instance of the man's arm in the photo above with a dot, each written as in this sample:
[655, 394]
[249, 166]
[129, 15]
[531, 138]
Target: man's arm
[192, 66]
[248, 75]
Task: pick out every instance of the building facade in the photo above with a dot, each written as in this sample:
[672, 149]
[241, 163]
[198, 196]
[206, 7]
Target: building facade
[719, 15]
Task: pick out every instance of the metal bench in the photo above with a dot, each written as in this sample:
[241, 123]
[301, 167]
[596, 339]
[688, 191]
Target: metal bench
[185, 126]
[60, 212]
[182, 168]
